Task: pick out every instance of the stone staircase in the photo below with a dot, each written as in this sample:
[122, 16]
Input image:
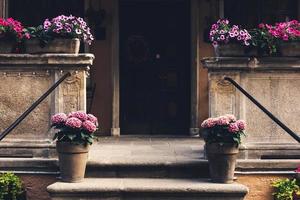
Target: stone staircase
[172, 169]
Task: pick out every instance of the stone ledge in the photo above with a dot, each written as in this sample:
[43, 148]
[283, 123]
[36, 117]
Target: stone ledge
[196, 168]
[45, 60]
[143, 187]
[267, 165]
[251, 63]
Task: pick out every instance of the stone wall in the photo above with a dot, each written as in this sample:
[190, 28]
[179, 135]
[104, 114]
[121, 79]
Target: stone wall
[274, 82]
[259, 185]
[24, 78]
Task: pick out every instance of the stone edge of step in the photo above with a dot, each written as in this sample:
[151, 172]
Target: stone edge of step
[146, 185]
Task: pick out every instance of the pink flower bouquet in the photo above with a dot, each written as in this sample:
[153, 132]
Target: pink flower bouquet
[223, 129]
[222, 33]
[11, 29]
[67, 27]
[76, 127]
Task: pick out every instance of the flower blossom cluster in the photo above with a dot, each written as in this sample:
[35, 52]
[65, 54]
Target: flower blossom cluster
[69, 27]
[229, 121]
[298, 170]
[284, 30]
[76, 120]
[222, 33]
[11, 28]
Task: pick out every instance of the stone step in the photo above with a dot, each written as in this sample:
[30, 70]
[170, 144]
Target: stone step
[146, 189]
[148, 169]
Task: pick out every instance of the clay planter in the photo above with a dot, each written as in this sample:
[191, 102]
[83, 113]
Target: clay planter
[72, 161]
[70, 46]
[6, 46]
[290, 49]
[222, 159]
[229, 50]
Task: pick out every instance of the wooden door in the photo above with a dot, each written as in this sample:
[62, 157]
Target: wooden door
[154, 67]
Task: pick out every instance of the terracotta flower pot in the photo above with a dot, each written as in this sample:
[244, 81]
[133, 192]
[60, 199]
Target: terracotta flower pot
[229, 50]
[290, 49]
[72, 161]
[55, 46]
[222, 159]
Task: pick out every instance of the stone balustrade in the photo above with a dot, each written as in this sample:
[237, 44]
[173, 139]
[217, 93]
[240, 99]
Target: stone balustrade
[274, 82]
[24, 78]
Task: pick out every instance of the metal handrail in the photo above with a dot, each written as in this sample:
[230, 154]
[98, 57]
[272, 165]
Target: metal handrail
[267, 112]
[32, 107]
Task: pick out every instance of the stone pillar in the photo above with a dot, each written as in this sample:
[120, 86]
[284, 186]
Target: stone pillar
[274, 82]
[24, 78]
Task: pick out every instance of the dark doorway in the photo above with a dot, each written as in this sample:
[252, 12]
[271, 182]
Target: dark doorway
[154, 66]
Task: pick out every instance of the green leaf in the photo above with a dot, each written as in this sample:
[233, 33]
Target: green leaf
[71, 136]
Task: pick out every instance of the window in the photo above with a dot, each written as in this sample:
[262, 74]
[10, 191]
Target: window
[252, 12]
[33, 12]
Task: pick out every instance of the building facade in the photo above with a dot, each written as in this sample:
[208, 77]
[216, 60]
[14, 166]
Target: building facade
[147, 77]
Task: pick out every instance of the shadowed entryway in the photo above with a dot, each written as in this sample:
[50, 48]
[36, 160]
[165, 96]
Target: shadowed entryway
[155, 67]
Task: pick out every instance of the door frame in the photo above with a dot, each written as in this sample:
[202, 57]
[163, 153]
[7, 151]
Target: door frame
[195, 64]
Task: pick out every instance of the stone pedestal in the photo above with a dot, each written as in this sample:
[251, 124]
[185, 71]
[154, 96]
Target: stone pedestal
[24, 78]
[274, 82]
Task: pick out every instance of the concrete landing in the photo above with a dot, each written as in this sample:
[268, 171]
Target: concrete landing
[146, 189]
[141, 150]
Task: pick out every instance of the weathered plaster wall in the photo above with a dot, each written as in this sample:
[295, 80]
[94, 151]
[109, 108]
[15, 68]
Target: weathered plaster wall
[101, 72]
[259, 185]
[36, 185]
[206, 9]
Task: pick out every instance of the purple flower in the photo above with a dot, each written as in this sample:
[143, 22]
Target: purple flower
[79, 114]
[69, 27]
[59, 118]
[92, 118]
[89, 126]
[78, 31]
[241, 124]
[209, 123]
[233, 128]
[73, 122]
[223, 120]
[231, 117]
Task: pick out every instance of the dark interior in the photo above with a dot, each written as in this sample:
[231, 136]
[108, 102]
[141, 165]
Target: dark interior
[155, 67]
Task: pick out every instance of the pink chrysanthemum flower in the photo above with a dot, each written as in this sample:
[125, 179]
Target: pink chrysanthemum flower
[223, 120]
[93, 119]
[209, 123]
[231, 117]
[73, 122]
[241, 124]
[89, 126]
[59, 118]
[80, 115]
[233, 127]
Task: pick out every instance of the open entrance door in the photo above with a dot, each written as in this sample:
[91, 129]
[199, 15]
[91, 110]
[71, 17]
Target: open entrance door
[155, 67]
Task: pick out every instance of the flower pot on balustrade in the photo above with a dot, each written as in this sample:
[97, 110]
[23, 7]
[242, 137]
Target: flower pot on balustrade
[6, 46]
[72, 161]
[222, 159]
[58, 45]
[229, 50]
[290, 49]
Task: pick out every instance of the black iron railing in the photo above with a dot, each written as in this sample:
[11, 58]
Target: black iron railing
[32, 107]
[275, 119]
